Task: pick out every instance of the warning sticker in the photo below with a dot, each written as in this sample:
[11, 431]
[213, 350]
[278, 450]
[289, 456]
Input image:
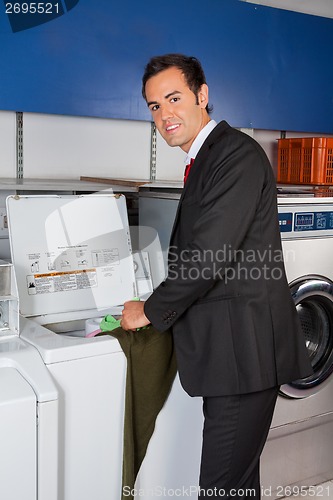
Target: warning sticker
[61, 281]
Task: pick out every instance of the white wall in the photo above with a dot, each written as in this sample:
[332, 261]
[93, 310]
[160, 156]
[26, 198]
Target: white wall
[169, 161]
[66, 147]
[8, 144]
[322, 8]
[69, 147]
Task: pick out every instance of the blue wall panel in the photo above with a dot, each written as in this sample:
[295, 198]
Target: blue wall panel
[266, 68]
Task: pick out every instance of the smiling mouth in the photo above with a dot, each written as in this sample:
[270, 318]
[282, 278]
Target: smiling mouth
[172, 128]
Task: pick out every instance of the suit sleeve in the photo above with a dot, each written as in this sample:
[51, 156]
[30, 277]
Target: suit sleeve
[228, 206]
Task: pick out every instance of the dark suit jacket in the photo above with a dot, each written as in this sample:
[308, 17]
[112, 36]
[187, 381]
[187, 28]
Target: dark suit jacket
[226, 296]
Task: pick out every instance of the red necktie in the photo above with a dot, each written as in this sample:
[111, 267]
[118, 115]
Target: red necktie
[187, 169]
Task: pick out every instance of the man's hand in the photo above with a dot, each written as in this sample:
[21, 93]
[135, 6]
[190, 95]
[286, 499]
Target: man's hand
[133, 316]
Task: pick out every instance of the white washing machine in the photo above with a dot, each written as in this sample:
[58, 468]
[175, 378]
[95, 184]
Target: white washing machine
[28, 408]
[73, 260]
[300, 443]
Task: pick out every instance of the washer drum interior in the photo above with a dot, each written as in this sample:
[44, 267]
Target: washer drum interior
[313, 297]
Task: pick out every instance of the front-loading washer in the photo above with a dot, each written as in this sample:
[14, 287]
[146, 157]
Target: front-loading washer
[298, 452]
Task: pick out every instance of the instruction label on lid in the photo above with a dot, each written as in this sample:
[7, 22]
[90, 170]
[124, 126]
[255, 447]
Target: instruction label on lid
[71, 253]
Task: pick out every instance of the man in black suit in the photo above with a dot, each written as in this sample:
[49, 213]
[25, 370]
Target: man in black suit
[226, 298]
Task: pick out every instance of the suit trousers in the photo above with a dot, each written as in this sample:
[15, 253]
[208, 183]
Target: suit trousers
[234, 434]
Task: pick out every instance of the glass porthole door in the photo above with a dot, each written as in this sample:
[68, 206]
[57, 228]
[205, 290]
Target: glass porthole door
[313, 297]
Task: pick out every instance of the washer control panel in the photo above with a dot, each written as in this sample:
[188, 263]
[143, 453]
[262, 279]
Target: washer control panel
[305, 221]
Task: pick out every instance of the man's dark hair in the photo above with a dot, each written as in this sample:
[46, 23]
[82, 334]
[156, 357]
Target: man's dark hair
[188, 65]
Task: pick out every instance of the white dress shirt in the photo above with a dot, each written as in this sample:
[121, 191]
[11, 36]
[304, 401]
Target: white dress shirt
[199, 140]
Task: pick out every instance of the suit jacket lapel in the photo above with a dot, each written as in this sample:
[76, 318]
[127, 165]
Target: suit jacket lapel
[198, 164]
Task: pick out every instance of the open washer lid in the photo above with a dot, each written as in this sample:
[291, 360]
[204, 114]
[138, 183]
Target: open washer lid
[70, 253]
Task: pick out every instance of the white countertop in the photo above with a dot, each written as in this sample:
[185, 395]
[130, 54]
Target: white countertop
[59, 185]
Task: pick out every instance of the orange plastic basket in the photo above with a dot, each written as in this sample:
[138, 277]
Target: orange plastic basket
[305, 161]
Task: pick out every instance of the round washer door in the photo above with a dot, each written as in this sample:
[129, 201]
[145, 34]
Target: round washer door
[313, 297]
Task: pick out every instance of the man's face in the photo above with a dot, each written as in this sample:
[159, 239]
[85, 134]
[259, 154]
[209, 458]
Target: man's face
[178, 114]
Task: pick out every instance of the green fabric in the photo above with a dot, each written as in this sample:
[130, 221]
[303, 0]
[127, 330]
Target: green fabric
[151, 369]
[109, 323]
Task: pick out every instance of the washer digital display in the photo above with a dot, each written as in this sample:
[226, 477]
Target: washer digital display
[313, 221]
